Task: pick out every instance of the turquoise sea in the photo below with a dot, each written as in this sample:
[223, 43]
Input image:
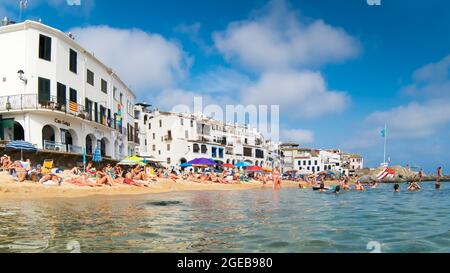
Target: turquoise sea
[291, 220]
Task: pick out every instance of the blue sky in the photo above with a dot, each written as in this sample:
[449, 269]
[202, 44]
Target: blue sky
[338, 69]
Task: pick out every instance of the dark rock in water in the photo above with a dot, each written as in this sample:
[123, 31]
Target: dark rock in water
[163, 203]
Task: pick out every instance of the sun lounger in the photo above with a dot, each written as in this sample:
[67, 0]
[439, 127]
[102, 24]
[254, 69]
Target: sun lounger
[47, 166]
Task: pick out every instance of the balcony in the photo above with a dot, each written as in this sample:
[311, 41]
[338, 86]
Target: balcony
[33, 102]
[63, 148]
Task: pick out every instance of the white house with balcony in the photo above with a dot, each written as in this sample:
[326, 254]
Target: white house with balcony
[176, 138]
[60, 97]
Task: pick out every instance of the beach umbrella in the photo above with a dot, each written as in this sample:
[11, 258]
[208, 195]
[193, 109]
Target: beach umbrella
[254, 168]
[267, 170]
[97, 155]
[228, 166]
[243, 164]
[185, 165]
[22, 146]
[203, 162]
[132, 160]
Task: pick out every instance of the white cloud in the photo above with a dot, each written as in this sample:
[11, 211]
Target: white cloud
[431, 80]
[221, 80]
[277, 38]
[193, 33]
[299, 94]
[414, 120]
[173, 98]
[143, 60]
[299, 136]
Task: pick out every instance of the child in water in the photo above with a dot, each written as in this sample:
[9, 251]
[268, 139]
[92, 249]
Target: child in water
[396, 188]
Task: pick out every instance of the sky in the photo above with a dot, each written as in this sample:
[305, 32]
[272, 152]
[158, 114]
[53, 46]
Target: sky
[339, 70]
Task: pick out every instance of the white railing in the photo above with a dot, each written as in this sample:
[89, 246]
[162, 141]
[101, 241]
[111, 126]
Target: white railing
[59, 147]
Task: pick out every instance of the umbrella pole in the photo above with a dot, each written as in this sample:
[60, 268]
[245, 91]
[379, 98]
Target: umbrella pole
[21, 154]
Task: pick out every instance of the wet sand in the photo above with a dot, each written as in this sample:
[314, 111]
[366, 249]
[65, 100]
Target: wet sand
[10, 189]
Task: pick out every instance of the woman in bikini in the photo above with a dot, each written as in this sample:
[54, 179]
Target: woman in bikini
[276, 179]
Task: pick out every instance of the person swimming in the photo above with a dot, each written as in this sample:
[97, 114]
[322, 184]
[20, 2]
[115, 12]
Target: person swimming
[337, 190]
[359, 186]
[322, 187]
[396, 188]
[413, 186]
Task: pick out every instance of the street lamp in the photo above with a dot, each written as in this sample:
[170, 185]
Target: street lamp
[21, 74]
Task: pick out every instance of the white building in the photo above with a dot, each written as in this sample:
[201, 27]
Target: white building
[58, 96]
[178, 138]
[309, 161]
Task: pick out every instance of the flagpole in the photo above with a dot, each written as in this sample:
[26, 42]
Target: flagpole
[385, 143]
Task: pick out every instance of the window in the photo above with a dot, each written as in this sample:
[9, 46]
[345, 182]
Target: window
[73, 95]
[154, 148]
[196, 148]
[43, 90]
[149, 126]
[204, 149]
[315, 162]
[318, 169]
[90, 77]
[73, 61]
[168, 160]
[105, 87]
[248, 152]
[168, 147]
[96, 112]
[45, 48]
[115, 93]
[160, 123]
[182, 121]
[309, 163]
[154, 136]
[192, 124]
[121, 98]
[186, 134]
[61, 94]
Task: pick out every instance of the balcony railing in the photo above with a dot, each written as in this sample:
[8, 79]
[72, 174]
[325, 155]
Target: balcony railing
[59, 147]
[34, 102]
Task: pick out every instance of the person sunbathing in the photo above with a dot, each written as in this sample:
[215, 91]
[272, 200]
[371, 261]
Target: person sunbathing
[102, 178]
[5, 161]
[132, 182]
[83, 181]
[51, 180]
[75, 171]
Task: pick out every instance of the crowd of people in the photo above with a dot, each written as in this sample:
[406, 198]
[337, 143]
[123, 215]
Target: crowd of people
[318, 183]
[139, 175]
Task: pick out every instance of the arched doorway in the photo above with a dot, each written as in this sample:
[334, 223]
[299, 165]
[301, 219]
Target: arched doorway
[104, 147]
[19, 132]
[48, 137]
[91, 142]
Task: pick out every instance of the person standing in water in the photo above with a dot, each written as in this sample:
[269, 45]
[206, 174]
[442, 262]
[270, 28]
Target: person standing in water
[438, 178]
[276, 179]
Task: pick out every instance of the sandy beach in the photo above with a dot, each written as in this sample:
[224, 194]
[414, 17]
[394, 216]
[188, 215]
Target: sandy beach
[10, 189]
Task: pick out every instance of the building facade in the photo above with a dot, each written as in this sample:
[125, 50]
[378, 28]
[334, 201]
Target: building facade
[178, 138]
[309, 161]
[59, 97]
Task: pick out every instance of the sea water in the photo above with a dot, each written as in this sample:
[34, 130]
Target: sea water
[290, 220]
